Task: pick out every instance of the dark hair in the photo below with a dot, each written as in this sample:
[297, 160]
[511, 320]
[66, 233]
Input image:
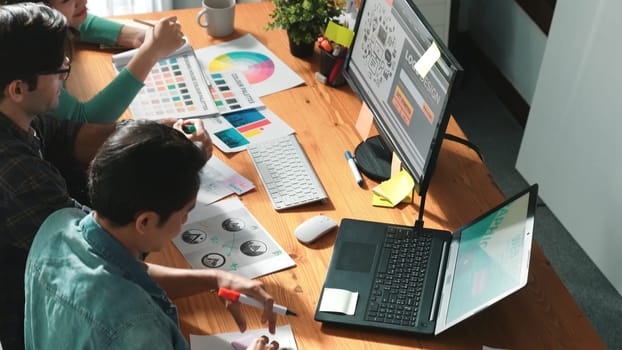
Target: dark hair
[9, 2]
[144, 166]
[34, 39]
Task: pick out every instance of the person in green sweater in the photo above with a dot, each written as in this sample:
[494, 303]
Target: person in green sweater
[153, 44]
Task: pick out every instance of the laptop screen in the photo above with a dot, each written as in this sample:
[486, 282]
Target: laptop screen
[489, 259]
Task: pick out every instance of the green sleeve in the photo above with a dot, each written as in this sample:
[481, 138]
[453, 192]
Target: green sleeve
[105, 107]
[99, 30]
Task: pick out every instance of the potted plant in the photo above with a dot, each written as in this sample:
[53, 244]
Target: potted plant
[304, 21]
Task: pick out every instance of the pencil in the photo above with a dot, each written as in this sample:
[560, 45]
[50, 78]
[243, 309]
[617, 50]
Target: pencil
[144, 22]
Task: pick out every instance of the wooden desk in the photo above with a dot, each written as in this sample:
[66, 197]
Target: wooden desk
[542, 315]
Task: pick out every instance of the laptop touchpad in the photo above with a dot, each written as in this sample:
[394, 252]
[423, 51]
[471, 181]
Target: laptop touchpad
[355, 256]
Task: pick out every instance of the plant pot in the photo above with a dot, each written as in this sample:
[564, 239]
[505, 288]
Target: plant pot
[301, 50]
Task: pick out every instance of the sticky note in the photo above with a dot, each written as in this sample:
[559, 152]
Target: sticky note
[379, 201]
[339, 300]
[364, 121]
[338, 34]
[396, 189]
[427, 60]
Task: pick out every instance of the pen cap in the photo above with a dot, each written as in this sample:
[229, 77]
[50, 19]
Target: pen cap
[228, 294]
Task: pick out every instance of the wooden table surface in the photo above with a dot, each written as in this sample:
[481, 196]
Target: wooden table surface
[543, 315]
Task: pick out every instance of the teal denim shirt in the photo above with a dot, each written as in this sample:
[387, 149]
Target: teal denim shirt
[85, 290]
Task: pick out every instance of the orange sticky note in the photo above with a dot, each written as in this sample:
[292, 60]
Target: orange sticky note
[364, 122]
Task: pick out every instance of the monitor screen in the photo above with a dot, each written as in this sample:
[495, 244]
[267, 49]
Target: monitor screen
[404, 73]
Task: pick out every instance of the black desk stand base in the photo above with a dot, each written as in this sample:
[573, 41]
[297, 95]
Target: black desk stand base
[373, 158]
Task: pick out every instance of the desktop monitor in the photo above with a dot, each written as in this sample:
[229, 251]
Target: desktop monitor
[404, 73]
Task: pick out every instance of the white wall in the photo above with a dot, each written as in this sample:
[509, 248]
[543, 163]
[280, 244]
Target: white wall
[509, 37]
[572, 144]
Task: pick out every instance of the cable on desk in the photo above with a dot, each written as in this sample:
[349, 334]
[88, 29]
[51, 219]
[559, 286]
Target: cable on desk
[467, 143]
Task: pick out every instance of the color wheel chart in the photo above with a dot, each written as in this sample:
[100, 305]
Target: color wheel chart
[265, 72]
[255, 66]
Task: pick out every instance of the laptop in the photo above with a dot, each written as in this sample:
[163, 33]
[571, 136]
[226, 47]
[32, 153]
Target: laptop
[376, 279]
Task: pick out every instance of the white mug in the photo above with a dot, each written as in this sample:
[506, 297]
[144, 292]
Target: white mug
[218, 15]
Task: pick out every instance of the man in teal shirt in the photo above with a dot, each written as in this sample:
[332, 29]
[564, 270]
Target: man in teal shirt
[87, 285]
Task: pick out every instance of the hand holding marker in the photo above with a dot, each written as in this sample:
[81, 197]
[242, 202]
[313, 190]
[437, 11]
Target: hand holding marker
[189, 128]
[234, 296]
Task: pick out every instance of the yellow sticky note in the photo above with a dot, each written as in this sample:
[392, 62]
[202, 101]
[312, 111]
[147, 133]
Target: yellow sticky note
[379, 201]
[396, 189]
[427, 60]
[338, 34]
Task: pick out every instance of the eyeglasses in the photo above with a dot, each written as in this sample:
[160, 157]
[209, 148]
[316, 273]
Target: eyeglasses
[63, 71]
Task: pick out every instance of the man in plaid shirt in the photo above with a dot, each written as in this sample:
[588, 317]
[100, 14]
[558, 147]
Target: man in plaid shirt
[42, 159]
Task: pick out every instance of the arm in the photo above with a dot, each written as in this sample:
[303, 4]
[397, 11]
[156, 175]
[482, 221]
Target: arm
[131, 37]
[105, 107]
[110, 103]
[160, 41]
[185, 282]
[99, 30]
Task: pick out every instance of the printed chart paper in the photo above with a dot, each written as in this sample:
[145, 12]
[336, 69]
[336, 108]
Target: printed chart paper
[283, 334]
[265, 72]
[235, 131]
[175, 87]
[232, 92]
[226, 236]
[218, 180]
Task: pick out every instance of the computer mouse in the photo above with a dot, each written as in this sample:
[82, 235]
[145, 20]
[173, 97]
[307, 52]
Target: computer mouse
[314, 228]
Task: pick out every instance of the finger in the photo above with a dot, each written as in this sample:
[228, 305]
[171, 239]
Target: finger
[274, 345]
[177, 125]
[170, 19]
[235, 311]
[258, 343]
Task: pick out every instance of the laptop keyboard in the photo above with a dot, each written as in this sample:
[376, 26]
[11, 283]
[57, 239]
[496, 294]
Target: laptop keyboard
[398, 284]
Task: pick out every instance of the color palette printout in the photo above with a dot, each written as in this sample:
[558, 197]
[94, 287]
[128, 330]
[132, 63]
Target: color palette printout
[232, 92]
[175, 87]
[218, 180]
[225, 341]
[226, 236]
[265, 72]
[233, 132]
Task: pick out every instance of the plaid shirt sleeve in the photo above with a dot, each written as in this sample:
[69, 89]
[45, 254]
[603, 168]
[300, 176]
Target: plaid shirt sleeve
[31, 188]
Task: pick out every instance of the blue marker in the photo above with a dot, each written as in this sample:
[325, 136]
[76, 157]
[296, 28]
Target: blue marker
[354, 169]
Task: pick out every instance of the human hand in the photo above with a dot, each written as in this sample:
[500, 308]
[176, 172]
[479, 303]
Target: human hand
[194, 130]
[131, 36]
[164, 39]
[261, 343]
[252, 288]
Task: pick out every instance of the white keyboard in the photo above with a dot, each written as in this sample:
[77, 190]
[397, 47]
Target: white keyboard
[286, 172]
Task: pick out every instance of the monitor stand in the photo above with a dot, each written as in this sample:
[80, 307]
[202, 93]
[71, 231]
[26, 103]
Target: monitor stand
[373, 158]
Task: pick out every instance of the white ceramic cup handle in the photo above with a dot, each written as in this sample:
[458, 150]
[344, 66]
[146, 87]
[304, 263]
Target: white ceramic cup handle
[200, 15]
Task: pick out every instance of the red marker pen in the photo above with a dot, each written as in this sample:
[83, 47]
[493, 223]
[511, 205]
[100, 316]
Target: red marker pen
[234, 296]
